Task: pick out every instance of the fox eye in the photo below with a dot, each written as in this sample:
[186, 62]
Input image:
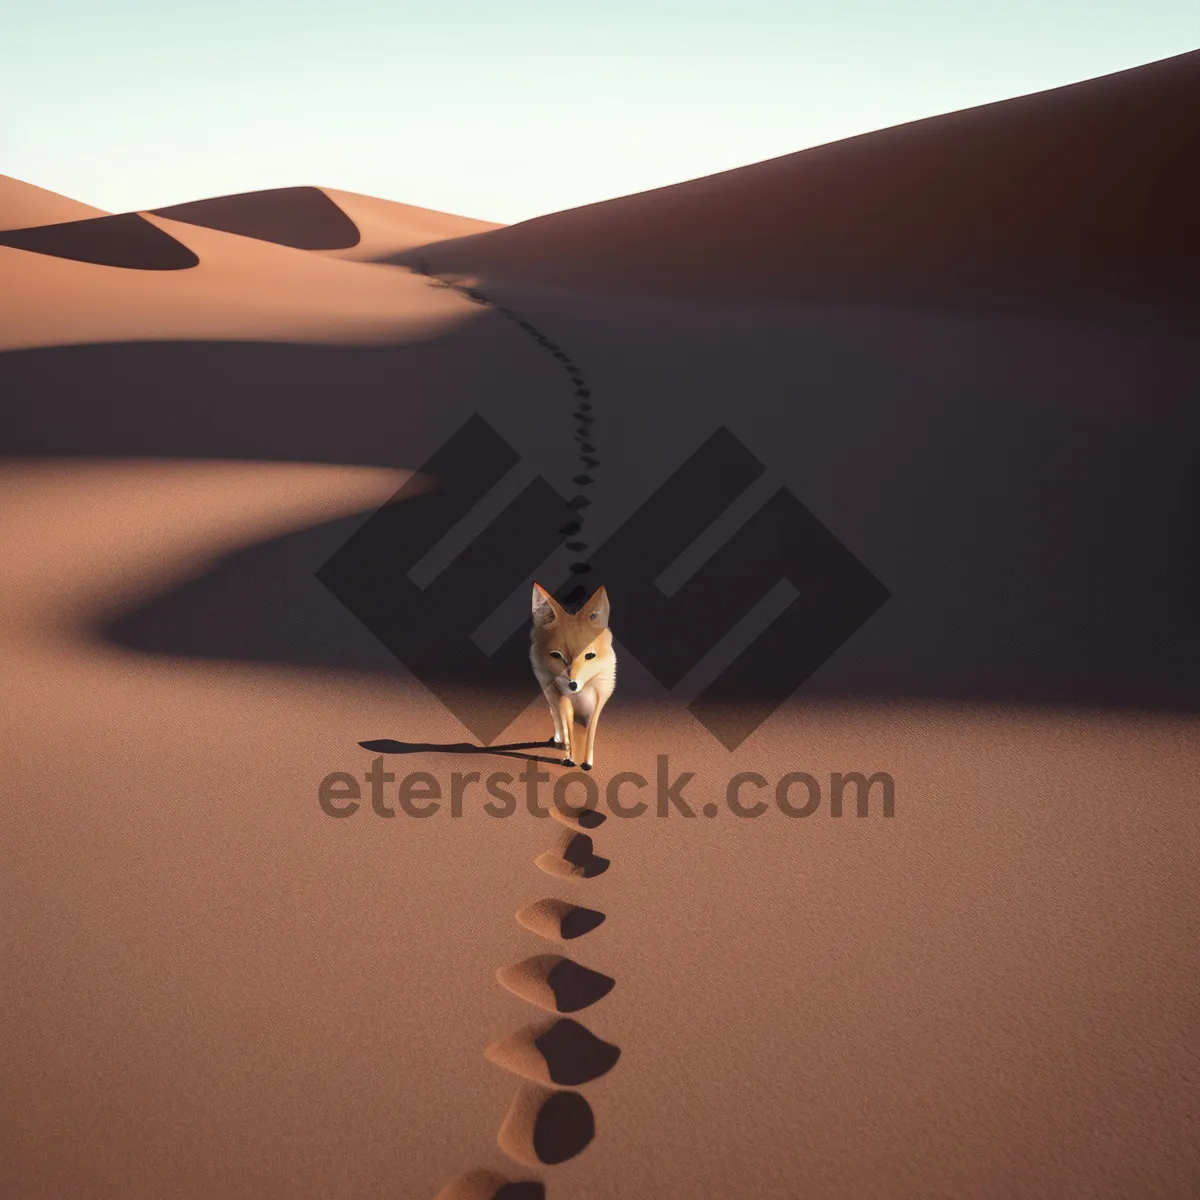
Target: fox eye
[557, 654]
[590, 654]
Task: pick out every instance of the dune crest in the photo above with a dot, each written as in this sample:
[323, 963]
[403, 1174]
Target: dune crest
[304, 218]
[242, 289]
[25, 204]
[1077, 193]
[389, 227]
[327, 220]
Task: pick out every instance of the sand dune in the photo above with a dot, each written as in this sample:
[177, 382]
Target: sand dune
[345, 224]
[254, 276]
[302, 217]
[24, 204]
[1085, 193]
[214, 988]
[388, 227]
[242, 288]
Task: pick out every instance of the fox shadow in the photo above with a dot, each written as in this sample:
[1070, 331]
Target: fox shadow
[506, 750]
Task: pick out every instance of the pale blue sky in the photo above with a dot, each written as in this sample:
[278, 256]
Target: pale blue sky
[507, 110]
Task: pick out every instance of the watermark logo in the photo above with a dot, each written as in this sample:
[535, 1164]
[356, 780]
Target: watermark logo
[781, 567]
[577, 797]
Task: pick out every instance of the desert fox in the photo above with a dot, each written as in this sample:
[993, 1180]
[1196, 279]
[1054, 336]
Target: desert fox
[576, 666]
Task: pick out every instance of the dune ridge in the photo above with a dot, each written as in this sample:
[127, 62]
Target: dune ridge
[1085, 192]
[326, 220]
[241, 288]
[288, 265]
[25, 204]
[304, 218]
[390, 227]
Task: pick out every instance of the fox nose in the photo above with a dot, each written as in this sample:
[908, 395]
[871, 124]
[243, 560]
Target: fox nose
[573, 685]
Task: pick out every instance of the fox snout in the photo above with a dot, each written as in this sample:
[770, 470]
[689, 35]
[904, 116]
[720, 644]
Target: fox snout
[573, 685]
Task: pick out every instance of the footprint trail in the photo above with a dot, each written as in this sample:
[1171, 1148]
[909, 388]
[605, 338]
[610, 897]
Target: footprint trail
[583, 416]
[548, 1124]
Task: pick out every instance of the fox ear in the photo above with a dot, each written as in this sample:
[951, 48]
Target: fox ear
[545, 607]
[597, 609]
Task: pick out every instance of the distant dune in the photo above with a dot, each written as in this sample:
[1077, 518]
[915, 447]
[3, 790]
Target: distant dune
[238, 288]
[1085, 192]
[388, 227]
[302, 217]
[24, 204]
[311, 218]
[267, 268]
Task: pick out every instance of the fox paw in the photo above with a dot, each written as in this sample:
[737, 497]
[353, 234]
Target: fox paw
[554, 742]
[567, 762]
[586, 766]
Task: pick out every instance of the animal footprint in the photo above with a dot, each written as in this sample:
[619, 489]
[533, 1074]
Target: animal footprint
[576, 858]
[560, 1052]
[555, 983]
[544, 1127]
[557, 920]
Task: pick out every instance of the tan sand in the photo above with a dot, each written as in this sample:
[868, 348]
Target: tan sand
[517, 1053]
[989, 994]
[558, 1052]
[243, 289]
[557, 920]
[24, 204]
[342, 224]
[215, 989]
[488, 1185]
[388, 227]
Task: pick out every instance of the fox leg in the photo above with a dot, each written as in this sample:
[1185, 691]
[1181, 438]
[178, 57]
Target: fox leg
[566, 717]
[593, 721]
[552, 699]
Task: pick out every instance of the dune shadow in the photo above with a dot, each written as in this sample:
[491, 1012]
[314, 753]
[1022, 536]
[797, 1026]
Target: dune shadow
[125, 240]
[259, 604]
[263, 603]
[302, 217]
[266, 401]
[1076, 592]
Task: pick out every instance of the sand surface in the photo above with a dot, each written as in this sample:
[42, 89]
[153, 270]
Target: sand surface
[216, 989]
[388, 227]
[242, 289]
[23, 204]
